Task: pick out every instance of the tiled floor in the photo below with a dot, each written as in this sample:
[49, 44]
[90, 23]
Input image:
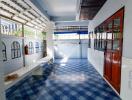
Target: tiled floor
[73, 79]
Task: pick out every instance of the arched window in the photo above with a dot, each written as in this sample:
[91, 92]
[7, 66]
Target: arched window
[4, 51]
[15, 50]
[37, 47]
[31, 48]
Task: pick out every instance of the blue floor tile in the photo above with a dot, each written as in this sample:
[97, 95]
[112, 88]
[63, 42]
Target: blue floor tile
[74, 79]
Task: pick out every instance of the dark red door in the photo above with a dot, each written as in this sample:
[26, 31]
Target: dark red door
[113, 50]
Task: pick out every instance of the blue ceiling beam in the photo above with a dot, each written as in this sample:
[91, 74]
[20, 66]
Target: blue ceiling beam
[72, 32]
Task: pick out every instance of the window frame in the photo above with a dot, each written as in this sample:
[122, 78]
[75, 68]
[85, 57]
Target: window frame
[89, 40]
[15, 49]
[37, 47]
[31, 48]
[4, 52]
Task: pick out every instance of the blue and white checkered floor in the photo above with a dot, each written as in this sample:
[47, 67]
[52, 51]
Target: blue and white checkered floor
[75, 79]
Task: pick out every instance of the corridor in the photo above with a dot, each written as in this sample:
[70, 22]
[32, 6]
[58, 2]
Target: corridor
[69, 79]
[65, 50]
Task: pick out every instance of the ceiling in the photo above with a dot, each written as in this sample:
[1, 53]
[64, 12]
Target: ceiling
[23, 11]
[69, 10]
[89, 8]
[58, 9]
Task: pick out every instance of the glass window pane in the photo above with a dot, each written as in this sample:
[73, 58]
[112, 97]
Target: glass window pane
[15, 50]
[109, 44]
[110, 26]
[109, 36]
[116, 44]
[116, 28]
[117, 24]
[12, 54]
[19, 53]
[109, 40]
[4, 55]
[4, 51]
[116, 34]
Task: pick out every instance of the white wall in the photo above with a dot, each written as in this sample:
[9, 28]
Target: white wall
[14, 64]
[49, 38]
[126, 79]
[110, 7]
[11, 64]
[2, 94]
[84, 43]
[96, 58]
[32, 58]
[70, 48]
[67, 48]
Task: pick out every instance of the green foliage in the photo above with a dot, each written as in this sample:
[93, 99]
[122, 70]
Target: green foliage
[41, 35]
[18, 32]
[44, 35]
[28, 32]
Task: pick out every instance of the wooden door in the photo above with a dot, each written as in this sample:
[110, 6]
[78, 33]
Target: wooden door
[113, 50]
[108, 56]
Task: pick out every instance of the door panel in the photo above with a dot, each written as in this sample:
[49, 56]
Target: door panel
[108, 65]
[84, 47]
[115, 80]
[113, 50]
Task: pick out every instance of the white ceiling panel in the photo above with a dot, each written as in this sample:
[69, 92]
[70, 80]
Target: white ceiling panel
[61, 7]
[56, 9]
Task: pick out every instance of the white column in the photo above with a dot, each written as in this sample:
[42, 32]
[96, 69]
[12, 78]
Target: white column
[2, 94]
[49, 38]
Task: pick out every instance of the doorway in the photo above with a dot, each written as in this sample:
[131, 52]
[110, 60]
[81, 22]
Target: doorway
[71, 46]
[113, 49]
